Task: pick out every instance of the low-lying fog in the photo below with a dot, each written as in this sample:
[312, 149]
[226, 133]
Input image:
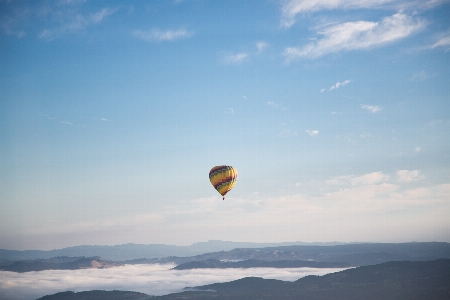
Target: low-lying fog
[149, 279]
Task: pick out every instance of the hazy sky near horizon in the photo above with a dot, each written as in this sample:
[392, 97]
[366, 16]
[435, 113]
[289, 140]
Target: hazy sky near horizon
[336, 115]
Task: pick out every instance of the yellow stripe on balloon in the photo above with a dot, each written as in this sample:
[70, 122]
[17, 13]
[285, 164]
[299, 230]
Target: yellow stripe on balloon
[223, 178]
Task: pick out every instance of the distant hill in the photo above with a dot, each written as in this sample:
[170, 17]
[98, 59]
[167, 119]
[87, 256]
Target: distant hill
[339, 255]
[352, 254]
[256, 263]
[137, 251]
[58, 263]
[97, 295]
[404, 280]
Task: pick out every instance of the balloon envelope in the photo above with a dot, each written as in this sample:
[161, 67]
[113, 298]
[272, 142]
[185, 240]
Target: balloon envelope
[223, 178]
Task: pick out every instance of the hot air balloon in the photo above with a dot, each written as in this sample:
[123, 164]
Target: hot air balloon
[223, 178]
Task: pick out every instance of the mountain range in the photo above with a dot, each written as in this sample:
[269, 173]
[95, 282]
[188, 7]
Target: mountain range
[284, 256]
[406, 280]
[136, 251]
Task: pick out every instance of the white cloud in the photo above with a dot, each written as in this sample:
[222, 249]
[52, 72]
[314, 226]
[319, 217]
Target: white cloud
[235, 58]
[76, 22]
[417, 149]
[261, 46]
[370, 178]
[407, 176]
[339, 84]
[366, 179]
[339, 180]
[65, 122]
[442, 42]
[322, 90]
[293, 7]
[312, 132]
[358, 35]
[371, 108]
[276, 105]
[150, 279]
[419, 76]
[374, 178]
[160, 35]
[71, 2]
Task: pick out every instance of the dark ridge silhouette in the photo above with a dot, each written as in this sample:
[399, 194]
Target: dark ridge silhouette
[360, 254]
[58, 263]
[340, 255]
[406, 280]
[257, 263]
[97, 295]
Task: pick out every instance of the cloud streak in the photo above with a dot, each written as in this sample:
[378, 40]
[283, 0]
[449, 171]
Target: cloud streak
[366, 179]
[261, 46]
[290, 9]
[443, 41]
[407, 176]
[358, 35]
[339, 84]
[235, 58]
[312, 132]
[75, 23]
[372, 108]
[157, 35]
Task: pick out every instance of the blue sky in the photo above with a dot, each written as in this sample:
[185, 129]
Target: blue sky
[334, 113]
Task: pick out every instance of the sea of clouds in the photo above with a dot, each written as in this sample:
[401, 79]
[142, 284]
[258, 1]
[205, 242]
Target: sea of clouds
[156, 279]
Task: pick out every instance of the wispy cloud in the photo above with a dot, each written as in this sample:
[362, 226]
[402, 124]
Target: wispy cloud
[76, 22]
[51, 19]
[12, 23]
[407, 176]
[339, 84]
[443, 41]
[357, 35]
[371, 108]
[365, 179]
[290, 9]
[370, 178]
[419, 76]
[261, 46]
[67, 123]
[312, 132]
[157, 35]
[276, 105]
[48, 117]
[235, 58]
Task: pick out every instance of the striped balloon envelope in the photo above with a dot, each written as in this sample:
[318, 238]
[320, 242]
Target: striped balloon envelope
[223, 178]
